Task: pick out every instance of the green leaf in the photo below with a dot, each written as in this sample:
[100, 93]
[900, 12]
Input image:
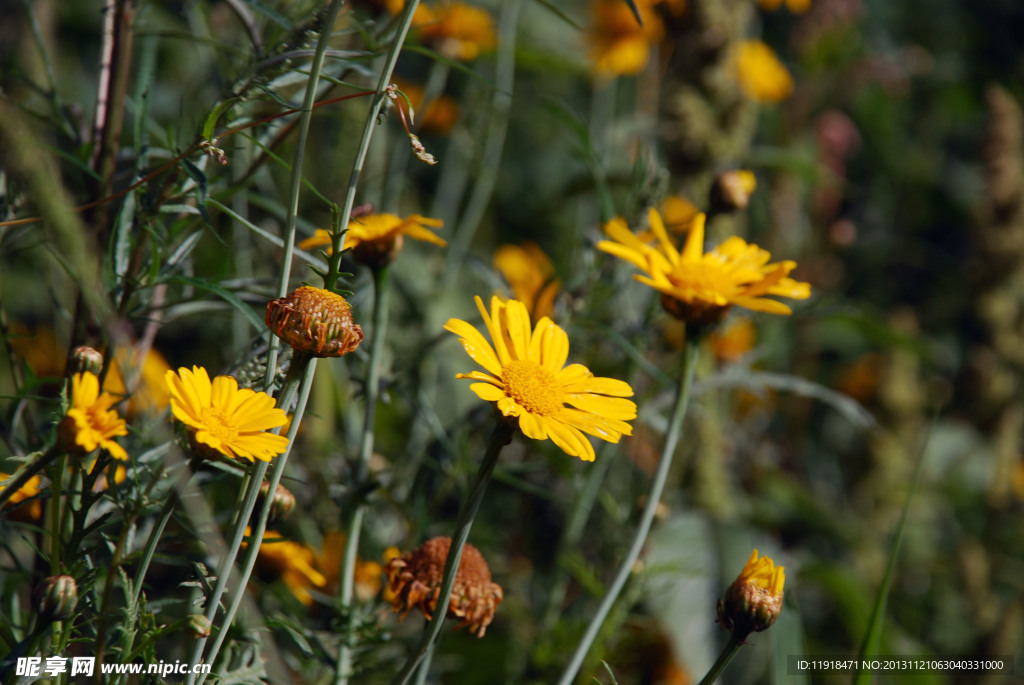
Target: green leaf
[557, 11]
[226, 295]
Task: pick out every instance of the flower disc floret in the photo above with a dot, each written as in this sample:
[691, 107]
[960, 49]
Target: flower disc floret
[698, 287]
[527, 378]
[223, 418]
[314, 321]
[90, 422]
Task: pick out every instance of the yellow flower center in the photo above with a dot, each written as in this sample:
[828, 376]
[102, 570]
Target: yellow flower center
[532, 387]
[707, 280]
[219, 424]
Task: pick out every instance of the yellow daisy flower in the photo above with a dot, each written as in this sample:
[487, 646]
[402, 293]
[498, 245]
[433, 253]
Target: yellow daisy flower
[760, 74]
[530, 275]
[699, 287]
[292, 563]
[754, 600]
[528, 379]
[225, 419]
[90, 422]
[376, 239]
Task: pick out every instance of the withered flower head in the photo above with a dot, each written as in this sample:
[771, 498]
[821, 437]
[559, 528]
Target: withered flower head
[415, 580]
[315, 321]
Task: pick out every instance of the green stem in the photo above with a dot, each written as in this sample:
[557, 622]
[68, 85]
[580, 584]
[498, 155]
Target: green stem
[728, 652]
[338, 240]
[487, 175]
[296, 179]
[355, 519]
[501, 436]
[647, 517]
[300, 379]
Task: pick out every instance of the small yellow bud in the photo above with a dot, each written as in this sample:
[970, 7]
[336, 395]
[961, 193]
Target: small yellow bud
[754, 600]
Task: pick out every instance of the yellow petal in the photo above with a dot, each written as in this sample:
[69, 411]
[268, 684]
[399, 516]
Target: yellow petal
[475, 344]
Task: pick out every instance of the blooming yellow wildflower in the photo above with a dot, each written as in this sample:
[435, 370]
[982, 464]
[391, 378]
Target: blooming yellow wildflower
[760, 74]
[619, 46]
[367, 574]
[528, 379]
[795, 6]
[376, 239]
[678, 213]
[455, 29]
[14, 507]
[754, 600]
[314, 321]
[530, 275]
[734, 341]
[90, 422]
[414, 580]
[699, 287]
[225, 419]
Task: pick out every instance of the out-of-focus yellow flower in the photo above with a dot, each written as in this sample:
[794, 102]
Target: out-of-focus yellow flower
[14, 507]
[528, 379]
[415, 581]
[731, 191]
[376, 239]
[90, 422]
[678, 213]
[698, 287]
[223, 418]
[730, 344]
[760, 74]
[368, 574]
[292, 562]
[439, 115]
[754, 600]
[530, 275]
[618, 45]
[40, 350]
[861, 378]
[314, 321]
[151, 392]
[795, 6]
[455, 29]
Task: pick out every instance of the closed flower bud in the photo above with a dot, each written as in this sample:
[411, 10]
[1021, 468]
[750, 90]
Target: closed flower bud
[314, 321]
[85, 358]
[754, 600]
[198, 626]
[58, 597]
[281, 504]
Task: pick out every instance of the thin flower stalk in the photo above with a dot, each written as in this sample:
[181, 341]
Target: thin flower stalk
[731, 649]
[299, 381]
[483, 187]
[675, 430]
[354, 525]
[296, 179]
[501, 436]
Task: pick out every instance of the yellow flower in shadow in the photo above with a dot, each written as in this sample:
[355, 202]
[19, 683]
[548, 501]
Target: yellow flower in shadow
[151, 392]
[530, 275]
[698, 287]
[90, 422]
[618, 45]
[368, 574]
[760, 74]
[734, 341]
[225, 419]
[376, 239]
[16, 508]
[292, 563]
[527, 378]
[795, 6]
[456, 30]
